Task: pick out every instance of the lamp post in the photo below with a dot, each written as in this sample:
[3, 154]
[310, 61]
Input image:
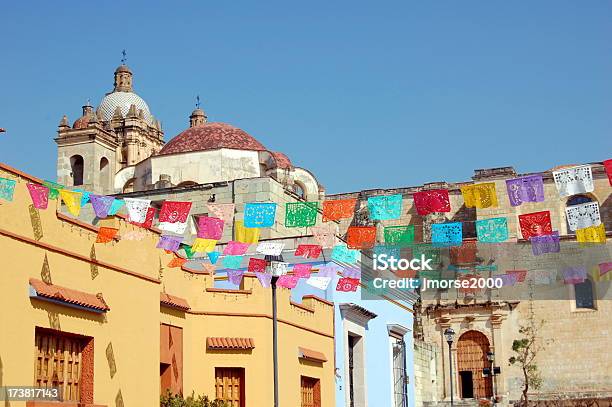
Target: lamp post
[491, 359]
[449, 333]
[276, 271]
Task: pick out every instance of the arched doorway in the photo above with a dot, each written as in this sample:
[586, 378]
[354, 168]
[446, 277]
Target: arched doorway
[472, 349]
[76, 167]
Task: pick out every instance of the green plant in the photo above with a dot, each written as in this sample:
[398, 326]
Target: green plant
[526, 350]
[177, 400]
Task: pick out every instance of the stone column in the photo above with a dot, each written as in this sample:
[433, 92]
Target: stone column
[500, 353]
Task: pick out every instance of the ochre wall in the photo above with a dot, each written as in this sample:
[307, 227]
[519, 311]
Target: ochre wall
[130, 275]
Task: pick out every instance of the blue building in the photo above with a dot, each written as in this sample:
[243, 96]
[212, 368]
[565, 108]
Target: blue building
[374, 347]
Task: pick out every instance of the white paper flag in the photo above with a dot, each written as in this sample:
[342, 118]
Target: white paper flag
[177, 227]
[278, 268]
[137, 209]
[583, 215]
[574, 180]
[319, 282]
[270, 248]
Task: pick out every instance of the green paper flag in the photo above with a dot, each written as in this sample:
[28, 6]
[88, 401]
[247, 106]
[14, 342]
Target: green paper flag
[399, 235]
[301, 214]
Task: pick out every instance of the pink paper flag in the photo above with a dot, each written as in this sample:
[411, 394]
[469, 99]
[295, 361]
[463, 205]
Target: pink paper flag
[39, 194]
[210, 228]
[302, 270]
[310, 251]
[287, 281]
[235, 248]
[604, 268]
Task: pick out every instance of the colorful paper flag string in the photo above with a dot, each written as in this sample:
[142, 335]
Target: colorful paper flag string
[337, 209]
[174, 212]
[72, 200]
[583, 216]
[525, 189]
[447, 234]
[346, 284]
[245, 235]
[574, 180]
[39, 195]
[259, 215]
[535, 224]
[361, 237]
[545, 244]
[301, 214]
[137, 209]
[432, 201]
[101, 205]
[480, 195]
[385, 207]
[232, 261]
[210, 228]
[399, 235]
[106, 234]
[492, 230]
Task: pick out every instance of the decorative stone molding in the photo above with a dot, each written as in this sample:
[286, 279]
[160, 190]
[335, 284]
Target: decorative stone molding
[356, 314]
[397, 330]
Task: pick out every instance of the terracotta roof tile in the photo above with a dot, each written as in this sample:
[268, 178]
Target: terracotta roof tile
[69, 295]
[173, 302]
[227, 343]
[312, 355]
[211, 136]
[282, 161]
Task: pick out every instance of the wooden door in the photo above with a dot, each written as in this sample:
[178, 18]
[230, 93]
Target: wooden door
[311, 392]
[58, 363]
[472, 349]
[229, 385]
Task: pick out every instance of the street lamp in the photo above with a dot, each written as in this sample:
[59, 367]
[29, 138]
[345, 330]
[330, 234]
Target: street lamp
[449, 333]
[277, 268]
[491, 359]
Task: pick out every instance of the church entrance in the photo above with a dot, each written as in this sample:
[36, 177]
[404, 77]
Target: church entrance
[472, 349]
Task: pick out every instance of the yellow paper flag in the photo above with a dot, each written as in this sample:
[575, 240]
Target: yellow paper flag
[203, 245]
[246, 235]
[72, 200]
[480, 195]
[592, 234]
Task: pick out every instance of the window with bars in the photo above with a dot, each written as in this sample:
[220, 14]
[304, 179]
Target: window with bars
[400, 391]
[229, 385]
[60, 361]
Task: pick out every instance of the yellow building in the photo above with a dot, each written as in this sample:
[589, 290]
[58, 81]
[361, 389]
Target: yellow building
[98, 320]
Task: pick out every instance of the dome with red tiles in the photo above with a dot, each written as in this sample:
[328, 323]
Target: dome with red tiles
[81, 123]
[211, 136]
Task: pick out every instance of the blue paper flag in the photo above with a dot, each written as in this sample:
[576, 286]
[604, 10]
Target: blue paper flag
[492, 230]
[84, 196]
[116, 205]
[259, 215]
[389, 251]
[385, 207]
[7, 188]
[232, 262]
[213, 256]
[343, 254]
[447, 234]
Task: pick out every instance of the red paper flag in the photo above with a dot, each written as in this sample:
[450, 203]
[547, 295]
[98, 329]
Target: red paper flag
[311, 251]
[106, 235]
[608, 166]
[520, 275]
[257, 265]
[338, 209]
[435, 200]
[347, 284]
[173, 212]
[177, 262]
[361, 237]
[535, 224]
[148, 220]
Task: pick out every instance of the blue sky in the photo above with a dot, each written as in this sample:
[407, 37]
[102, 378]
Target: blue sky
[365, 95]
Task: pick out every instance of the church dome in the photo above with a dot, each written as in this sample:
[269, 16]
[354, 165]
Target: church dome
[211, 136]
[123, 100]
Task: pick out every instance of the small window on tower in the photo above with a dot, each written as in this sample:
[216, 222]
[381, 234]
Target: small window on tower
[76, 166]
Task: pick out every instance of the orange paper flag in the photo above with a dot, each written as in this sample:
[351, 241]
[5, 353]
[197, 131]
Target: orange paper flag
[338, 209]
[106, 235]
[177, 262]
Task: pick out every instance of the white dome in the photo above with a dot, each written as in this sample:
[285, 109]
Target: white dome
[124, 100]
